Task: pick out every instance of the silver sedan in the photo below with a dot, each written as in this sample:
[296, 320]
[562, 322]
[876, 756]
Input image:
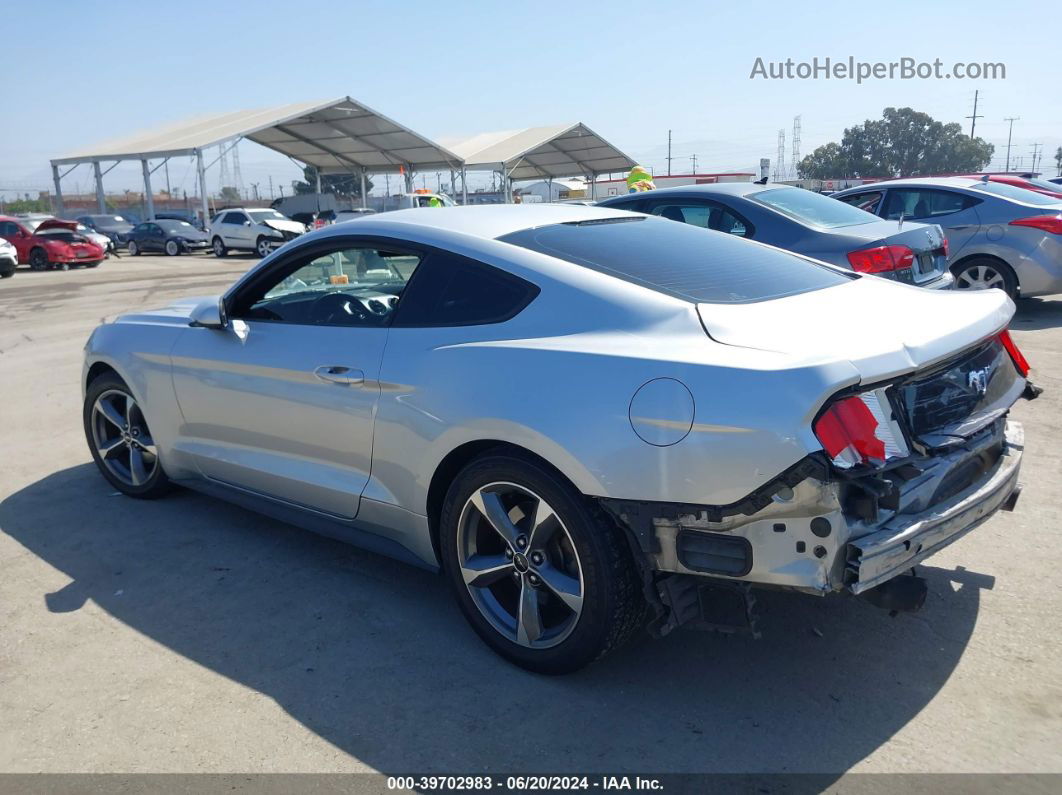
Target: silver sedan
[594, 422]
[999, 236]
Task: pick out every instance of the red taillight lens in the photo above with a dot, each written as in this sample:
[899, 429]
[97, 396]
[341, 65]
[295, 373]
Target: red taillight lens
[1048, 223]
[857, 430]
[881, 259]
[1020, 362]
[944, 248]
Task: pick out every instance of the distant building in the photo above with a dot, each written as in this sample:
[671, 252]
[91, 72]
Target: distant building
[553, 190]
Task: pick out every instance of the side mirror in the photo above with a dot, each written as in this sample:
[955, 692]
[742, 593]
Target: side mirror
[208, 314]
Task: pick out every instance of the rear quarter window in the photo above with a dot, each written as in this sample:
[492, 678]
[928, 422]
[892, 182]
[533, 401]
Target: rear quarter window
[680, 260]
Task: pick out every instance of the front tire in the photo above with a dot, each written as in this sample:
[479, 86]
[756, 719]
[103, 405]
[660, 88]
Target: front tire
[543, 577]
[986, 273]
[172, 248]
[120, 440]
[219, 247]
[263, 247]
[134, 249]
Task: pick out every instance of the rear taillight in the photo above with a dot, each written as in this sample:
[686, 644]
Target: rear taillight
[1048, 223]
[944, 248]
[860, 430]
[1020, 362]
[881, 259]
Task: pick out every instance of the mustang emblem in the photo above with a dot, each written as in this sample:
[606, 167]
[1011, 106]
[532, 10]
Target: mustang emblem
[977, 380]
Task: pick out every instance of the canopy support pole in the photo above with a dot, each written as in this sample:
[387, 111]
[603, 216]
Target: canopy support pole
[593, 186]
[58, 191]
[147, 190]
[202, 187]
[409, 178]
[364, 191]
[453, 186]
[464, 186]
[101, 202]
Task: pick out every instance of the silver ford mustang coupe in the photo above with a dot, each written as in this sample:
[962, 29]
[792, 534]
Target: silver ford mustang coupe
[593, 421]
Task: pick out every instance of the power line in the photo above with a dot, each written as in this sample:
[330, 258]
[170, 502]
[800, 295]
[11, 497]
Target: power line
[974, 116]
[1010, 133]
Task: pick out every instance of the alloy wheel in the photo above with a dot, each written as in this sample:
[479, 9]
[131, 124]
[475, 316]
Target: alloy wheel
[122, 438]
[980, 277]
[264, 248]
[520, 565]
[172, 249]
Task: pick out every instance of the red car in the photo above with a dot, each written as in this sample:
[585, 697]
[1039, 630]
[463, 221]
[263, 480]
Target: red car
[54, 244]
[1029, 183]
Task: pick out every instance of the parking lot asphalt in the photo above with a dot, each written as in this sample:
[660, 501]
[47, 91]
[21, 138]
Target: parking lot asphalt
[187, 635]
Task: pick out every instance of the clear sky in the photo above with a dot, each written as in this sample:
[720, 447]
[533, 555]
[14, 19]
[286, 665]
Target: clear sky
[630, 70]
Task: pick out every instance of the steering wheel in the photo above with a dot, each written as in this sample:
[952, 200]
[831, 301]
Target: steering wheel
[337, 307]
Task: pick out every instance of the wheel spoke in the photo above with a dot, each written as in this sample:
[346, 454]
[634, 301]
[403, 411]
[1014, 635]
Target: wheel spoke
[489, 505]
[565, 588]
[529, 621]
[111, 413]
[136, 467]
[109, 448]
[543, 524]
[483, 570]
[130, 404]
[147, 444]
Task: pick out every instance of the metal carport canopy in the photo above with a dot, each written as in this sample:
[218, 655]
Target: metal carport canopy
[558, 150]
[337, 136]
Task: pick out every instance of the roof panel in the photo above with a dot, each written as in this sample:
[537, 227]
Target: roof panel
[314, 132]
[558, 150]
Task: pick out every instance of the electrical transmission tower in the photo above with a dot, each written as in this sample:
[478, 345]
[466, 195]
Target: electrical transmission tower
[794, 148]
[223, 172]
[779, 165]
[237, 177]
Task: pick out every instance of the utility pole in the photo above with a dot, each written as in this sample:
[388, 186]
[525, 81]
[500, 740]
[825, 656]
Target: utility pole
[693, 160]
[1035, 154]
[270, 187]
[669, 153]
[1010, 132]
[974, 116]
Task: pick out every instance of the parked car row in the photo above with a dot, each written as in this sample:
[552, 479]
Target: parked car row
[970, 232]
[49, 243]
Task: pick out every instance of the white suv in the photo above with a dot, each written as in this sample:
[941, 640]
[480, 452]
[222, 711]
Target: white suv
[258, 229]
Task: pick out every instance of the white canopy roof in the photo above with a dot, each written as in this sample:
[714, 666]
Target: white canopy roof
[339, 136]
[559, 150]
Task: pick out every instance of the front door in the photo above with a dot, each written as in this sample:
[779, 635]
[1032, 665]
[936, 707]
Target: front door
[955, 212]
[281, 402]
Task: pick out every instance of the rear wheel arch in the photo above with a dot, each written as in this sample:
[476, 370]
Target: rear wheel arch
[999, 262]
[457, 459]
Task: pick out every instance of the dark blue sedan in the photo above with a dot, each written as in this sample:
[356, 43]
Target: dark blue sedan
[170, 236]
[806, 223]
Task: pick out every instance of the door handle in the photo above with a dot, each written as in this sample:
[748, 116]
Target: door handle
[338, 374]
[958, 227]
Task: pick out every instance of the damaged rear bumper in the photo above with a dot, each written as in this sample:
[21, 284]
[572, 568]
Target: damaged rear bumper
[908, 539]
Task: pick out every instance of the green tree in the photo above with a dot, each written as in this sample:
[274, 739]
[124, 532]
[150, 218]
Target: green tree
[904, 142]
[343, 186]
[230, 194]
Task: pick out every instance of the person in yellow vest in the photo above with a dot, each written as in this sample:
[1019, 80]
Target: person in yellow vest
[434, 202]
[639, 179]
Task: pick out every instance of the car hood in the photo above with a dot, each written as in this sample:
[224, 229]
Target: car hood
[285, 226]
[884, 329]
[57, 223]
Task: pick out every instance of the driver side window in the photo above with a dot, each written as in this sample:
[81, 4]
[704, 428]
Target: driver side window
[350, 286]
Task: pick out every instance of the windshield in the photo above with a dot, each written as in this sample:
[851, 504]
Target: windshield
[177, 227]
[812, 208]
[680, 260]
[1015, 194]
[266, 215]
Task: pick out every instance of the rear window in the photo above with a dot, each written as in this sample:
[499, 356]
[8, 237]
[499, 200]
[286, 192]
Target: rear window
[812, 208]
[1016, 194]
[680, 260]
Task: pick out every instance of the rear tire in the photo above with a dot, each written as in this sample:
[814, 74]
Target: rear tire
[219, 247]
[573, 577]
[173, 248]
[38, 259]
[7, 274]
[134, 249]
[985, 273]
[120, 441]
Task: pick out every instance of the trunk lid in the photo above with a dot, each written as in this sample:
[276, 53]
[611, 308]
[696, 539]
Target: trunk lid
[884, 329]
[925, 240]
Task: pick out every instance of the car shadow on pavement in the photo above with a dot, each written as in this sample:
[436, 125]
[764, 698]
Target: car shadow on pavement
[1037, 313]
[374, 657]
